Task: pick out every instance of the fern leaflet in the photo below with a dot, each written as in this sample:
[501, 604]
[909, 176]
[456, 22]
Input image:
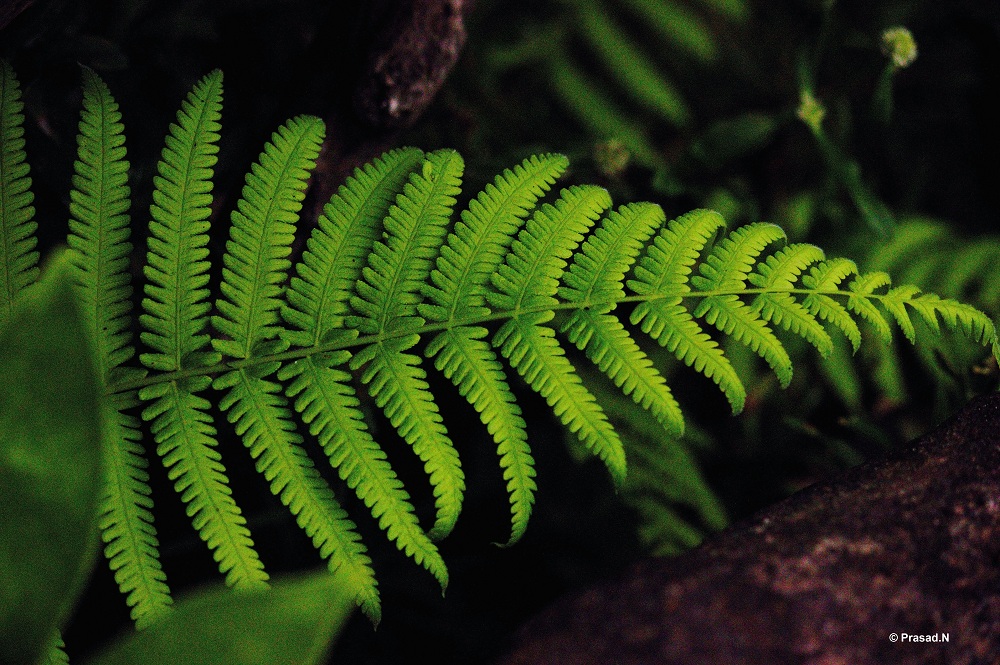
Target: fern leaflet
[18, 258]
[174, 328]
[388, 294]
[529, 279]
[472, 254]
[99, 236]
[665, 269]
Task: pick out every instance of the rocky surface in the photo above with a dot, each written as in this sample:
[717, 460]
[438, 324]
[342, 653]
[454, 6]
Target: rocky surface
[842, 573]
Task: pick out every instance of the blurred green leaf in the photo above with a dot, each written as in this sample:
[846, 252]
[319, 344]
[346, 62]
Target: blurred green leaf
[291, 623]
[731, 138]
[50, 463]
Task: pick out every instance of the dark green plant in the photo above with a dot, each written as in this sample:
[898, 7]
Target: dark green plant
[386, 268]
[51, 458]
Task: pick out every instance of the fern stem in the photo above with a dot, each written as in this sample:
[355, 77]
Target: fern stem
[428, 328]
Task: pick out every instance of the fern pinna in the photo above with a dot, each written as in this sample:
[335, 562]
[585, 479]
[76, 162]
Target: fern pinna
[390, 281]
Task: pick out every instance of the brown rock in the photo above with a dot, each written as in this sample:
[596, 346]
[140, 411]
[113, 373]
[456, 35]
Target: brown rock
[909, 546]
[410, 61]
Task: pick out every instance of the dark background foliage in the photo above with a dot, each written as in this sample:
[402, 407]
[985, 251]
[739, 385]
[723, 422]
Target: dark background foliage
[743, 151]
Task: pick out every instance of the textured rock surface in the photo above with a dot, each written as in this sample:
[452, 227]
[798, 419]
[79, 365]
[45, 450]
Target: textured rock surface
[907, 545]
[410, 61]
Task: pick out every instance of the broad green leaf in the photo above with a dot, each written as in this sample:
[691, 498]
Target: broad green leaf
[292, 623]
[50, 463]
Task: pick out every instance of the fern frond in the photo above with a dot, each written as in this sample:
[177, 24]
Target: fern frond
[176, 270]
[462, 355]
[594, 109]
[529, 280]
[635, 71]
[678, 25]
[18, 258]
[726, 270]
[99, 227]
[335, 253]
[862, 287]
[599, 268]
[387, 297]
[261, 234]
[99, 236]
[389, 289]
[327, 402]
[895, 303]
[827, 277]
[596, 275]
[473, 251]
[382, 269]
[665, 269]
[126, 522]
[612, 349]
[534, 352]
[728, 266]
[261, 416]
[56, 653]
[173, 327]
[186, 442]
[317, 304]
[529, 277]
[457, 289]
[776, 275]
[481, 238]
[667, 264]
[396, 383]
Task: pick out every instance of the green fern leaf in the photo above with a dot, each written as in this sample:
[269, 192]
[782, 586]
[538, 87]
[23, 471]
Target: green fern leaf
[328, 404]
[612, 349]
[775, 277]
[860, 302]
[126, 521]
[726, 270]
[482, 237]
[676, 24]
[380, 271]
[99, 236]
[389, 288]
[175, 303]
[826, 277]
[386, 301]
[186, 442]
[325, 276]
[599, 268]
[99, 227]
[595, 276]
[174, 325]
[474, 250]
[18, 258]
[463, 356]
[665, 269]
[526, 285]
[590, 104]
[529, 278]
[534, 352]
[633, 69]
[261, 416]
[261, 233]
[317, 300]
[56, 653]
[667, 264]
[895, 302]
